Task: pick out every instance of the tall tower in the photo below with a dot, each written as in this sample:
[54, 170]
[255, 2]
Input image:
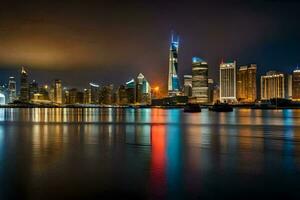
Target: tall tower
[24, 90]
[246, 83]
[173, 81]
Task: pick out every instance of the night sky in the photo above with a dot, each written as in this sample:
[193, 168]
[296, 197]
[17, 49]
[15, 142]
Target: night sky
[112, 41]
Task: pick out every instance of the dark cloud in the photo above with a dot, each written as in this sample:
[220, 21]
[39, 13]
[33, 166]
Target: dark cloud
[112, 41]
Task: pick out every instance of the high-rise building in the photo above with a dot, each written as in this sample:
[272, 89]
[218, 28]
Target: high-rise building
[87, 96]
[57, 91]
[228, 82]
[273, 85]
[296, 85]
[24, 90]
[106, 94]
[130, 90]
[12, 89]
[143, 90]
[173, 80]
[122, 95]
[211, 85]
[246, 83]
[33, 89]
[187, 85]
[290, 87]
[199, 81]
[95, 88]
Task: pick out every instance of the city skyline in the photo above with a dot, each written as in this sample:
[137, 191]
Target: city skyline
[271, 41]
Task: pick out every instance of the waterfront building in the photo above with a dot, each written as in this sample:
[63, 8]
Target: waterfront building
[187, 90]
[296, 85]
[130, 90]
[273, 85]
[12, 89]
[173, 80]
[122, 95]
[58, 92]
[95, 92]
[24, 88]
[33, 89]
[87, 96]
[143, 90]
[211, 85]
[216, 94]
[228, 82]
[199, 81]
[290, 87]
[106, 94]
[246, 83]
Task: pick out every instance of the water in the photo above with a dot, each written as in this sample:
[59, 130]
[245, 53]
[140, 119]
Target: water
[149, 154]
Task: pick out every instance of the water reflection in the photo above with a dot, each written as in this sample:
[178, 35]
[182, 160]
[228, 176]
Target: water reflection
[148, 152]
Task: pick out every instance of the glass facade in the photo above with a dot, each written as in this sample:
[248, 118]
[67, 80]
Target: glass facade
[228, 82]
[199, 81]
[173, 81]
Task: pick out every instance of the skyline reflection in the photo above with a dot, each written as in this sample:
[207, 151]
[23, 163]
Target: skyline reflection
[162, 153]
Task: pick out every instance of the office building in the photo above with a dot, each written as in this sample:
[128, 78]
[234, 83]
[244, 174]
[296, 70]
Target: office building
[95, 92]
[58, 99]
[228, 82]
[199, 81]
[24, 88]
[143, 90]
[187, 82]
[246, 83]
[12, 89]
[173, 80]
[87, 96]
[296, 85]
[273, 85]
[33, 89]
[130, 91]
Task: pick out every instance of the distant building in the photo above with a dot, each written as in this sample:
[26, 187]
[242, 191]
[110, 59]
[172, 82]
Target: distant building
[58, 91]
[24, 89]
[216, 94]
[87, 96]
[12, 89]
[130, 91]
[211, 85]
[173, 80]
[290, 87]
[296, 85]
[95, 90]
[143, 90]
[187, 85]
[199, 81]
[106, 94]
[273, 85]
[228, 82]
[33, 89]
[246, 83]
[122, 95]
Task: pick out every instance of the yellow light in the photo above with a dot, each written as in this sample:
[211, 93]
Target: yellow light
[156, 89]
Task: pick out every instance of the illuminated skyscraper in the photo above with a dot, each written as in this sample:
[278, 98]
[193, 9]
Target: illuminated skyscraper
[246, 83]
[187, 85]
[173, 80]
[143, 90]
[130, 91]
[24, 90]
[296, 85]
[228, 82]
[33, 89]
[12, 90]
[95, 89]
[199, 81]
[272, 85]
[57, 91]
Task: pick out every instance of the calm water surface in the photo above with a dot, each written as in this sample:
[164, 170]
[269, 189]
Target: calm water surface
[149, 154]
